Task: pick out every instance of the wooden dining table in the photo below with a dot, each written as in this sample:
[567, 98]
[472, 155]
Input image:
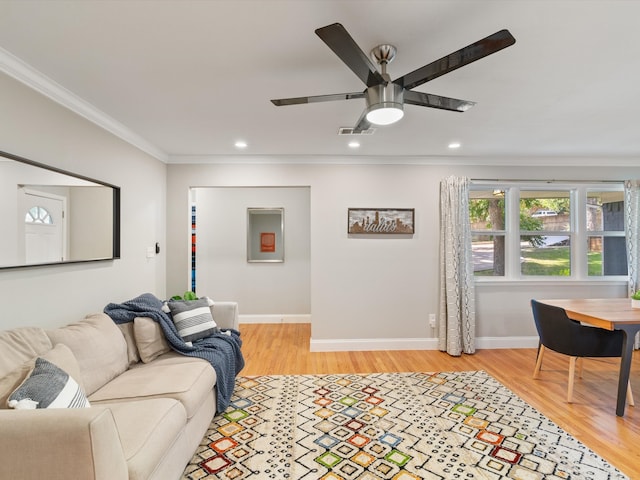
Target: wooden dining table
[610, 314]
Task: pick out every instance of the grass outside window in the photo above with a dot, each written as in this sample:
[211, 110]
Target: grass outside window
[551, 261]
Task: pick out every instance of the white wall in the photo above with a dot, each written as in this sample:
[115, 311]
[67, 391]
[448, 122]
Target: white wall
[37, 128]
[377, 292]
[222, 270]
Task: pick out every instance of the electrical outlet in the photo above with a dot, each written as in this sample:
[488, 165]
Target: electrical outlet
[432, 320]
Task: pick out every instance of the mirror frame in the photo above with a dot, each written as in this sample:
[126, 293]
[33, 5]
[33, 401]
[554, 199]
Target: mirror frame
[265, 247]
[115, 254]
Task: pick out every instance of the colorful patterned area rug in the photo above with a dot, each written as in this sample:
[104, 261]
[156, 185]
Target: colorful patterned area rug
[401, 426]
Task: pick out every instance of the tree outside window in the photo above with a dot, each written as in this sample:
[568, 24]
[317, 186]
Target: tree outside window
[487, 216]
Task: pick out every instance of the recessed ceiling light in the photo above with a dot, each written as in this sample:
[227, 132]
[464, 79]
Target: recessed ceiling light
[354, 144]
[241, 144]
[454, 145]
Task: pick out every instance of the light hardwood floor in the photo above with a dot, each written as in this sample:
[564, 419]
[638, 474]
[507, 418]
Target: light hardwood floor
[279, 349]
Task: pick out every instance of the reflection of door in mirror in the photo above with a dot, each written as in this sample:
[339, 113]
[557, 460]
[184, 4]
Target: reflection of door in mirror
[42, 223]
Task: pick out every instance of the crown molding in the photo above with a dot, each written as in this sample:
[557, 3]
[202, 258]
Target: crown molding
[29, 76]
[434, 160]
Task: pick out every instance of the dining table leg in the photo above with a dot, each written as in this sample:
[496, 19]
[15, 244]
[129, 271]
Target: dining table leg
[629, 332]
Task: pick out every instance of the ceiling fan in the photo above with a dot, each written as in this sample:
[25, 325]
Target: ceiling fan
[385, 98]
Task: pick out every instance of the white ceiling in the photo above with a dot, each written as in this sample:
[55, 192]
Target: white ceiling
[192, 77]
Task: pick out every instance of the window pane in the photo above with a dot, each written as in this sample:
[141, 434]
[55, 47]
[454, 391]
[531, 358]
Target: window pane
[545, 255]
[545, 210]
[38, 215]
[605, 211]
[606, 255]
[486, 209]
[488, 255]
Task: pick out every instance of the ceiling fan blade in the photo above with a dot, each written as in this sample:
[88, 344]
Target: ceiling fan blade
[464, 56]
[345, 47]
[436, 101]
[363, 123]
[317, 98]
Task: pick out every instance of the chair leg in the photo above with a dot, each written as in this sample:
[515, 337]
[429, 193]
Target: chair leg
[538, 367]
[572, 374]
[630, 395]
[580, 364]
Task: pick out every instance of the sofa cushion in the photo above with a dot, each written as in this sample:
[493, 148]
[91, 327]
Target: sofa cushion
[12, 380]
[21, 345]
[148, 430]
[186, 379]
[132, 349]
[98, 346]
[150, 339]
[192, 318]
[63, 357]
[59, 355]
[48, 386]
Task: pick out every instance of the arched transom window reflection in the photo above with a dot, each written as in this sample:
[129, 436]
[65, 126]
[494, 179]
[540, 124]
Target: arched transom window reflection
[38, 215]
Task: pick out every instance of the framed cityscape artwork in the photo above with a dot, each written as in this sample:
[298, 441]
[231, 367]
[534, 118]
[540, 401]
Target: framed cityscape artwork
[386, 221]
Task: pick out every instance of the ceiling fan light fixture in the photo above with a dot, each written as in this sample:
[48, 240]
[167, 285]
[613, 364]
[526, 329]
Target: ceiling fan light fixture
[385, 114]
[384, 104]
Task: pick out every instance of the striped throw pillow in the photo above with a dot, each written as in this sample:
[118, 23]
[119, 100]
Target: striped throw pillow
[193, 318]
[48, 386]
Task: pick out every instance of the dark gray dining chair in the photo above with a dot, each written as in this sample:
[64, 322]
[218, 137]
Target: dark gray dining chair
[563, 335]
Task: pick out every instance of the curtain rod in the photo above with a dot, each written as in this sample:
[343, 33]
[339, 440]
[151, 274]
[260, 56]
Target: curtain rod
[513, 180]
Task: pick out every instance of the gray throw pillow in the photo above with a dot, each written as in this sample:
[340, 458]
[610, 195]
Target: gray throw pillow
[48, 386]
[192, 318]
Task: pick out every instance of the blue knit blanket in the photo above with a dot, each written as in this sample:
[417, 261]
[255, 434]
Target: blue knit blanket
[221, 350]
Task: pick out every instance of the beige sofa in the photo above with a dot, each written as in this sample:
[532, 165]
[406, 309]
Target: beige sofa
[149, 407]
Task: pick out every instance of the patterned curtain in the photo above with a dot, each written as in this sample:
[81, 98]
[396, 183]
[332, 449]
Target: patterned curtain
[457, 319]
[632, 232]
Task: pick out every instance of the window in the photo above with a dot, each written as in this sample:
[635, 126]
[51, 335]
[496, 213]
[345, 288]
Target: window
[38, 215]
[548, 230]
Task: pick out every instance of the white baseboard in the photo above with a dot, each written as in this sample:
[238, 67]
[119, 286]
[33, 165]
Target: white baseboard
[300, 318]
[369, 344]
[485, 343]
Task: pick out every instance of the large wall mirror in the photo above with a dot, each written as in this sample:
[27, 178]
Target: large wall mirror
[50, 216]
[265, 235]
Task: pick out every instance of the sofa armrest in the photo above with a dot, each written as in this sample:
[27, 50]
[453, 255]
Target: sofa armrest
[59, 444]
[225, 315]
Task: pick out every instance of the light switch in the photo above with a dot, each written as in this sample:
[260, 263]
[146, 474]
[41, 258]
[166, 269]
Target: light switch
[151, 252]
